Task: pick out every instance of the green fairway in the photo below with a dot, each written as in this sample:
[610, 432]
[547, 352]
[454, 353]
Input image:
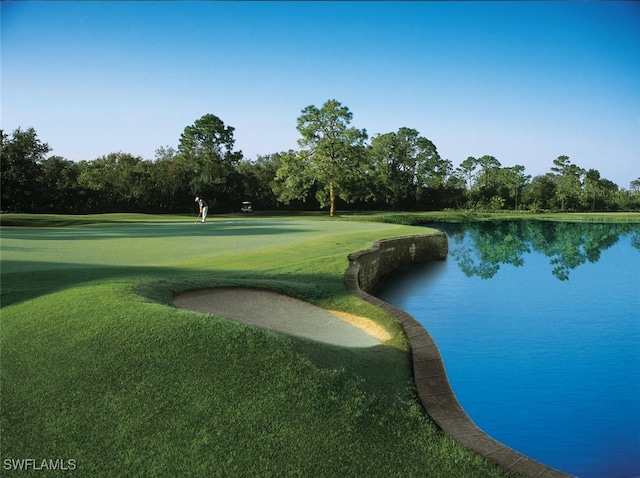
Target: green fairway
[99, 367]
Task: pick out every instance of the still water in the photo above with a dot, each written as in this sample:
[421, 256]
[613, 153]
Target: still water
[538, 324]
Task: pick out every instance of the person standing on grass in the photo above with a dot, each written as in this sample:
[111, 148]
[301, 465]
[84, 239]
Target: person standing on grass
[204, 208]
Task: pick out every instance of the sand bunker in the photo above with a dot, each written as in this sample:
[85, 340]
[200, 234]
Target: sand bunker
[284, 314]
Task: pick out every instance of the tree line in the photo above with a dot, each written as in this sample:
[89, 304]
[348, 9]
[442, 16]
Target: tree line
[336, 165]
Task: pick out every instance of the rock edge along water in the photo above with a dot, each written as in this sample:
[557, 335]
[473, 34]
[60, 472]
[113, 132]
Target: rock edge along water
[369, 268]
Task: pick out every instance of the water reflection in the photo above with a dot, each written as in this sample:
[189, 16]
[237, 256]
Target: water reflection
[557, 350]
[480, 248]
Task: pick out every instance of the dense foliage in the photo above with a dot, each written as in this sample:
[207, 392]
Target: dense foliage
[335, 166]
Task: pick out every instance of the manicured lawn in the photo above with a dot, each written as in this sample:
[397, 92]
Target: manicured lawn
[99, 367]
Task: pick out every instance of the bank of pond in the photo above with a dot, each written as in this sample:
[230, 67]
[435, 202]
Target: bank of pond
[538, 323]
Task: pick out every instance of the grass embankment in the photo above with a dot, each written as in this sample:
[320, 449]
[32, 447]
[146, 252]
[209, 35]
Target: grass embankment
[99, 367]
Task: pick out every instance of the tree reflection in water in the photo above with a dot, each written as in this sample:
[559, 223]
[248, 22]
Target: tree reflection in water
[480, 248]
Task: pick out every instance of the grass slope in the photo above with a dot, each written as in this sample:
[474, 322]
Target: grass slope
[98, 366]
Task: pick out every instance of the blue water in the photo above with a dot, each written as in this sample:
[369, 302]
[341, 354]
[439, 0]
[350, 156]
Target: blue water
[539, 328]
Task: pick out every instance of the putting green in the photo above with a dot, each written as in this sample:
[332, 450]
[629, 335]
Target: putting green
[284, 314]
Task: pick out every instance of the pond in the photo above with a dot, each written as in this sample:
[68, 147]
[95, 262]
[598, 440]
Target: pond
[538, 323]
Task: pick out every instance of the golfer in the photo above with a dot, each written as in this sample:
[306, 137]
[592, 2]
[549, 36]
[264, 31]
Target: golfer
[204, 208]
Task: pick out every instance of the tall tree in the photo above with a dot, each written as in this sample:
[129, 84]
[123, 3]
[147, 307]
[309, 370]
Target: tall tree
[393, 168]
[592, 186]
[404, 165]
[467, 171]
[487, 176]
[599, 191]
[540, 192]
[629, 199]
[332, 155]
[514, 180]
[207, 147]
[60, 191]
[171, 180]
[258, 179]
[568, 181]
[118, 182]
[294, 178]
[20, 159]
[383, 170]
[481, 175]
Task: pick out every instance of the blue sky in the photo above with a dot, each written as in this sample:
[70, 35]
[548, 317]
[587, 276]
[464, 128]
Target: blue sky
[525, 82]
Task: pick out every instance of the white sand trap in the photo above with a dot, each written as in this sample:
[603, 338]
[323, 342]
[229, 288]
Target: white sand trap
[284, 314]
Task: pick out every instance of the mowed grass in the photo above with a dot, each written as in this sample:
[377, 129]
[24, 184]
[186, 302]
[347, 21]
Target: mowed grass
[98, 366]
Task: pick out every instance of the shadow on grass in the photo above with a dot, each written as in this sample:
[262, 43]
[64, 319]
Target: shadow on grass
[30, 280]
[384, 370]
[157, 230]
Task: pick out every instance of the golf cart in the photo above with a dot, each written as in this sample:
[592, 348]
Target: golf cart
[246, 207]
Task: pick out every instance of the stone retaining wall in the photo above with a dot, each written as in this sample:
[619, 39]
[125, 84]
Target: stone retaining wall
[366, 270]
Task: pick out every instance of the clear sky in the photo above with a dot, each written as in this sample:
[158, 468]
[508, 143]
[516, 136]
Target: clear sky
[525, 82]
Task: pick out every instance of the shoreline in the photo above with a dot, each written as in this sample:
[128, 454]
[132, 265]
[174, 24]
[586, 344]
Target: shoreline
[368, 269]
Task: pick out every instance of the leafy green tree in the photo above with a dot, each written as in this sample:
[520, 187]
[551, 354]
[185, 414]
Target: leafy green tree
[431, 171]
[258, 179]
[207, 148]
[592, 186]
[405, 167]
[467, 171]
[390, 176]
[514, 179]
[454, 194]
[599, 192]
[568, 181]
[539, 194]
[488, 182]
[94, 177]
[482, 177]
[331, 160]
[434, 171]
[20, 159]
[628, 200]
[170, 179]
[294, 177]
[133, 181]
[440, 187]
[58, 184]
[394, 158]
[118, 181]
[608, 190]
[488, 170]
